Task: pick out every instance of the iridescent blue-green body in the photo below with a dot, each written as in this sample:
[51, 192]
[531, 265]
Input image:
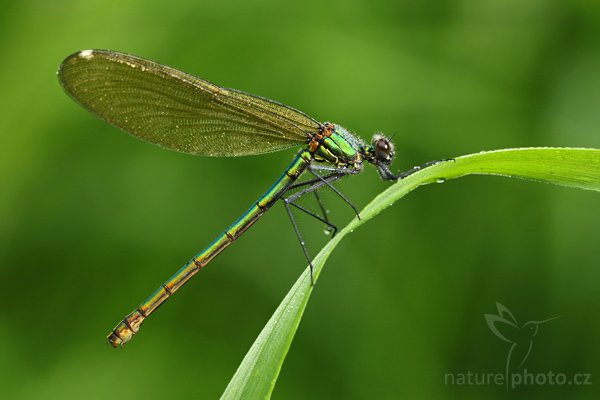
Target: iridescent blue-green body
[184, 113]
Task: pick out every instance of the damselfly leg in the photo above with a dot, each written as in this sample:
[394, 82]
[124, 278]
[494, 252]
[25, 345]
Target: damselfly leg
[311, 186]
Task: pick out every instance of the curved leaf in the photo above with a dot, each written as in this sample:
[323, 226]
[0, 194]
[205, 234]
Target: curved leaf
[580, 168]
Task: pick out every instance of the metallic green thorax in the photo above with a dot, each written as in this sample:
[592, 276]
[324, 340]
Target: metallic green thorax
[340, 148]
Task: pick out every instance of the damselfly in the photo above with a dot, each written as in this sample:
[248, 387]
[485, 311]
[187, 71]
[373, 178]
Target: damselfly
[178, 111]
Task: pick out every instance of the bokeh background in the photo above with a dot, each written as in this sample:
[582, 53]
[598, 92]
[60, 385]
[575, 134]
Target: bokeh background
[93, 220]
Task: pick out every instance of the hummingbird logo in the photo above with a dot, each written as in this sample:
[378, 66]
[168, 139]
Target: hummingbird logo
[519, 336]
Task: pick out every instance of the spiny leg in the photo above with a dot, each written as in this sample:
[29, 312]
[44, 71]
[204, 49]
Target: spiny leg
[325, 216]
[333, 228]
[287, 201]
[302, 244]
[316, 183]
[310, 182]
[312, 185]
[330, 226]
[341, 172]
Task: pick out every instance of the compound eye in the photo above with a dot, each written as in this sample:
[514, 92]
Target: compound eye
[384, 150]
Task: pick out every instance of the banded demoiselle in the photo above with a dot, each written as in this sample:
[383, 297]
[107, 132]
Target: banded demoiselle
[181, 112]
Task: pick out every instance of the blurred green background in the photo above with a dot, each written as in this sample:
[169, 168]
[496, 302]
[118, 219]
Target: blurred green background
[93, 220]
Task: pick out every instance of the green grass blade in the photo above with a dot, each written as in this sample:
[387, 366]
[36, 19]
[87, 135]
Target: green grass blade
[580, 168]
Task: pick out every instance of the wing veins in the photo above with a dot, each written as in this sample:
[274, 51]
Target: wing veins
[179, 111]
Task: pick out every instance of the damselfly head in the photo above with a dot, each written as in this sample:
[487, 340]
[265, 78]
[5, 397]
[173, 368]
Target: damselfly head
[381, 154]
[383, 149]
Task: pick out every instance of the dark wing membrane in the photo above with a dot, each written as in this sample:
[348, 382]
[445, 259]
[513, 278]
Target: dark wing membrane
[179, 111]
